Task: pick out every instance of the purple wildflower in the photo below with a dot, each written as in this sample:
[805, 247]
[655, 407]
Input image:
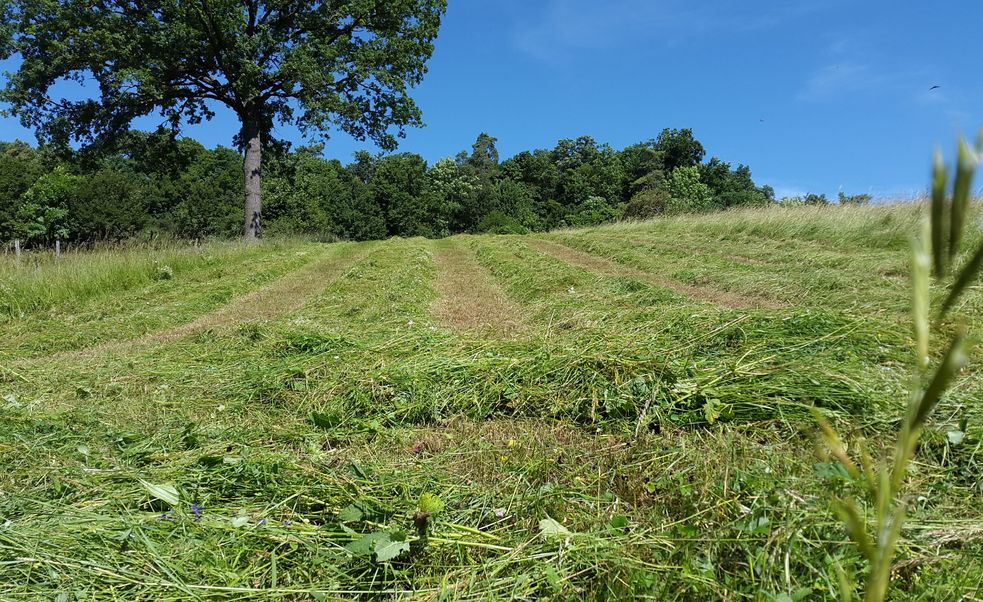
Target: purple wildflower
[196, 510]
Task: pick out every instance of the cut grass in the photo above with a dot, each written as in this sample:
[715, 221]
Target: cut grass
[470, 300]
[604, 266]
[667, 439]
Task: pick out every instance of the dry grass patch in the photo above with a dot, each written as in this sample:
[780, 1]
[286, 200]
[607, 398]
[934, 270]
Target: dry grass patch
[607, 267]
[470, 299]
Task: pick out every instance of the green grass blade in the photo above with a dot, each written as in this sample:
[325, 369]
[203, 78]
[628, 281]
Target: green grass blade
[921, 267]
[857, 528]
[835, 444]
[954, 360]
[965, 168]
[966, 276]
[938, 215]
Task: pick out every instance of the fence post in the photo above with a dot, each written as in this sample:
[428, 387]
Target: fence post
[17, 250]
[57, 247]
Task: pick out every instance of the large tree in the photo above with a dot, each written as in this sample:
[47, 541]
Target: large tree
[347, 64]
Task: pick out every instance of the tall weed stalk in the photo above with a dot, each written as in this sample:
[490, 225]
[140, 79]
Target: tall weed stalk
[936, 253]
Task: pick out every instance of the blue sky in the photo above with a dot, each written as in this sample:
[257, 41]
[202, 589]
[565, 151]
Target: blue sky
[814, 95]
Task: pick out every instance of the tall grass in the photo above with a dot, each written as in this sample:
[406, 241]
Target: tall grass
[883, 226]
[42, 281]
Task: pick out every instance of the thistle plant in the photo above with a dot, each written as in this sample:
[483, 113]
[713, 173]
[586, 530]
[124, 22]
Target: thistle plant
[936, 253]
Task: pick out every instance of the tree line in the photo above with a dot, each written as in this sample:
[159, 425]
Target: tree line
[156, 184]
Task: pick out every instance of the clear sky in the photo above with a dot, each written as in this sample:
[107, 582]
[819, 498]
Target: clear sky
[814, 95]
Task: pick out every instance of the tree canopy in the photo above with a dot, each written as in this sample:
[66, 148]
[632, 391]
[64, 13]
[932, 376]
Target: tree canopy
[152, 184]
[347, 64]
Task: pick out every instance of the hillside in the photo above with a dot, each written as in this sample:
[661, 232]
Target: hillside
[615, 411]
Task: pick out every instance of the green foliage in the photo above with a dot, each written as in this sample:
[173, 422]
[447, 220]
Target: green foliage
[399, 187]
[732, 187]
[205, 199]
[687, 193]
[498, 222]
[160, 56]
[43, 210]
[429, 503]
[20, 166]
[679, 149]
[348, 66]
[155, 183]
[648, 203]
[109, 205]
[854, 199]
[595, 210]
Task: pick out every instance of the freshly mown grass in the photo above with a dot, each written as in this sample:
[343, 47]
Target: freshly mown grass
[632, 441]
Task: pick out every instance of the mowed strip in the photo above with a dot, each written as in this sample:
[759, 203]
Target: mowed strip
[470, 299]
[607, 267]
[283, 296]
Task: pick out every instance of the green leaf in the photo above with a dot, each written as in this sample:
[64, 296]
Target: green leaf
[210, 461]
[831, 470]
[326, 421]
[552, 576]
[619, 522]
[165, 493]
[358, 470]
[551, 528]
[350, 514]
[387, 549]
[365, 545]
[429, 503]
[240, 520]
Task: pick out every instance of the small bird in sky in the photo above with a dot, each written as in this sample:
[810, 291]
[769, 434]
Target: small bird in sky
[934, 88]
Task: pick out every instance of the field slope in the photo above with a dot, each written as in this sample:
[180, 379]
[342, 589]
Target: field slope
[608, 413]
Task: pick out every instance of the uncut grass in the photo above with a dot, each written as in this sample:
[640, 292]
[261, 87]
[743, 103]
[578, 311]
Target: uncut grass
[352, 350]
[43, 281]
[161, 304]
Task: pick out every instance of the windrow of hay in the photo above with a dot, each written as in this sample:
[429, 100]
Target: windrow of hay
[607, 267]
[470, 299]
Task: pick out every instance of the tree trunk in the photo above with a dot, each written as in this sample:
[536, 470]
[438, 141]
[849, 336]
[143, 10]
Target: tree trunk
[251, 167]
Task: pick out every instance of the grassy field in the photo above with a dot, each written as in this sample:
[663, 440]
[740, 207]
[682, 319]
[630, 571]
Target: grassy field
[608, 413]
